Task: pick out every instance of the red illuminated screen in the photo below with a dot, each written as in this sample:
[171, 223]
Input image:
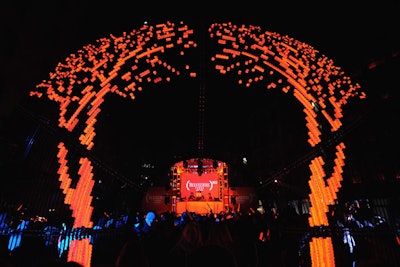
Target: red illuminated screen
[206, 184]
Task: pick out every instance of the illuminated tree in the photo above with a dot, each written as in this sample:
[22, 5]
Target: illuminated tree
[125, 65]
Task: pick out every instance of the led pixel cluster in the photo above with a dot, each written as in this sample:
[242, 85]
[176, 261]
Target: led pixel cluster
[115, 65]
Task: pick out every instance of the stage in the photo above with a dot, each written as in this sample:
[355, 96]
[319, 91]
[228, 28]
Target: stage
[199, 206]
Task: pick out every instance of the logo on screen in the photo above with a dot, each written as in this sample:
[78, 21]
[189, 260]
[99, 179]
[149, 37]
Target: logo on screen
[200, 186]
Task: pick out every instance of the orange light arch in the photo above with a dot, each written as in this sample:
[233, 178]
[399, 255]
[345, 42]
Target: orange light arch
[125, 65]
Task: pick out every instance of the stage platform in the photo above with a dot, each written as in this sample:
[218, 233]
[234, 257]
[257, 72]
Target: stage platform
[199, 206]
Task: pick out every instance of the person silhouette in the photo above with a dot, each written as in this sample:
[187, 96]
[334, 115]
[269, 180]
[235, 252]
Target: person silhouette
[132, 253]
[190, 239]
[199, 195]
[143, 228]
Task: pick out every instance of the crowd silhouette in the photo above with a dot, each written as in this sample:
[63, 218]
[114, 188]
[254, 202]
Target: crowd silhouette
[231, 238]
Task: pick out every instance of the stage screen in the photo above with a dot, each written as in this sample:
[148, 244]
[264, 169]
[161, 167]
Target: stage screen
[206, 184]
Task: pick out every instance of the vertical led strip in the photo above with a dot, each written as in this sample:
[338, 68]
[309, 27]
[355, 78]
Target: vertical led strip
[80, 200]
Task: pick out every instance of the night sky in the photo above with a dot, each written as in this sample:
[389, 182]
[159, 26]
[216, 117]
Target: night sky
[162, 125]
